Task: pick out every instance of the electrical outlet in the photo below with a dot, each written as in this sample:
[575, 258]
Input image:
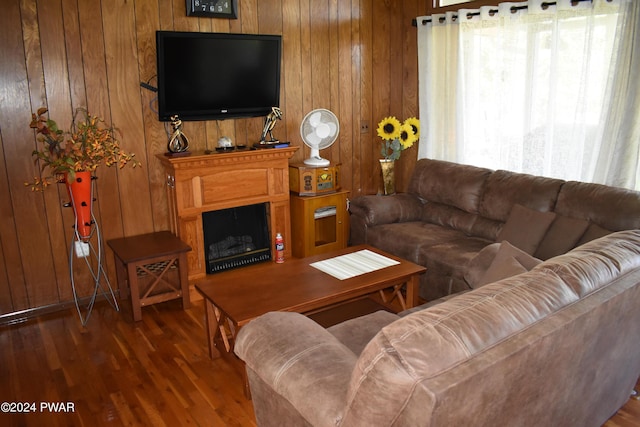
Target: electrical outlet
[82, 249]
[364, 127]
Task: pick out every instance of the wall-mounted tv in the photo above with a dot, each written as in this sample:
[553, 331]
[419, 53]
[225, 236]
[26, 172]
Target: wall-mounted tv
[213, 76]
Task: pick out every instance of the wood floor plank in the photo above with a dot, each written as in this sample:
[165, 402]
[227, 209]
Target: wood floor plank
[156, 372]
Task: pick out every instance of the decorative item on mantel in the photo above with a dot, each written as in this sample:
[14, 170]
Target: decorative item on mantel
[72, 157]
[178, 142]
[269, 123]
[396, 137]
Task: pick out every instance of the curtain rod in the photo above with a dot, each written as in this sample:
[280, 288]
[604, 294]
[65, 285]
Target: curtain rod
[513, 9]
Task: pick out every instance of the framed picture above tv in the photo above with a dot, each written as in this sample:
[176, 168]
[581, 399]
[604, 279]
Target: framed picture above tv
[214, 76]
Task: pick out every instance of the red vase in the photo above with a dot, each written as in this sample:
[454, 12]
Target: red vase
[80, 194]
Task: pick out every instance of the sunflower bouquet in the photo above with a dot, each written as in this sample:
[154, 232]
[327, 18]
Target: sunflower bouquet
[397, 136]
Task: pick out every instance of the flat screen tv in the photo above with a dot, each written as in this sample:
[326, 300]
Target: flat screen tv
[213, 76]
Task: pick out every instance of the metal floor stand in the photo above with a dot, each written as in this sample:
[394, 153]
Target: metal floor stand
[93, 256]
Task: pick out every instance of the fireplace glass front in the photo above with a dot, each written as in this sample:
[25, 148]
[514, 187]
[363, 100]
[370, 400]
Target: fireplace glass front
[236, 237]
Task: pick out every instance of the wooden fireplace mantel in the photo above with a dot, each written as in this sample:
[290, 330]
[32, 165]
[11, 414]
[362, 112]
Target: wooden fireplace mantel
[207, 182]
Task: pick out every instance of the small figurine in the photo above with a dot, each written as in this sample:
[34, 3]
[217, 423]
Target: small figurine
[178, 143]
[269, 124]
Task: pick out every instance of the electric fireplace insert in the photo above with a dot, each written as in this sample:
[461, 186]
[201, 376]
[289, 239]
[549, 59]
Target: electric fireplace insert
[236, 237]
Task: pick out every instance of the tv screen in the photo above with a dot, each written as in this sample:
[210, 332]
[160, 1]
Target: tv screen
[212, 76]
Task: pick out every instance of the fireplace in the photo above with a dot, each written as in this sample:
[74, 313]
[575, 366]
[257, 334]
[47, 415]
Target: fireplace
[236, 237]
[202, 183]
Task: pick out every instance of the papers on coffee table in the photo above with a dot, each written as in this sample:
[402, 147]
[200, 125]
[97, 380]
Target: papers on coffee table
[354, 264]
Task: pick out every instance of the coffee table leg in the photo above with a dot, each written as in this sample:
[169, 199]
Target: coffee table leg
[212, 328]
[413, 286]
[215, 332]
[222, 333]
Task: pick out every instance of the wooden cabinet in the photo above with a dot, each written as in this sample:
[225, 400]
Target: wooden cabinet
[319, 224]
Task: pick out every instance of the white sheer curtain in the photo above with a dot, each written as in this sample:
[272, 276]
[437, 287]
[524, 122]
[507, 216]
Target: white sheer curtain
[549, 90]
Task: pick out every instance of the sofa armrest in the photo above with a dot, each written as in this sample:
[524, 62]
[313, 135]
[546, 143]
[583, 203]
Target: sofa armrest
[297, 358]
[375, 210]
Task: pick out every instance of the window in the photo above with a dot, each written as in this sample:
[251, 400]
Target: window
[530, 89]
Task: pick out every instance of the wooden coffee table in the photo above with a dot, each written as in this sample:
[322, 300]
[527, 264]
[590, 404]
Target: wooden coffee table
[235, 297]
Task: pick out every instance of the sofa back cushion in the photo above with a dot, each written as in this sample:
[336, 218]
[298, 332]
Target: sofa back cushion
[448, 216]
[437, 338]
[449, 183]
[596, 263]
[611, 208]
[504, 189]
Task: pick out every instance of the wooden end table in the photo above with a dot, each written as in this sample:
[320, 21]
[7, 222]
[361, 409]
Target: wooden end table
[152, 256]
[235, 297]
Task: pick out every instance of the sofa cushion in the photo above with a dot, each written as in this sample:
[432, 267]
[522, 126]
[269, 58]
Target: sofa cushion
[486, 228]
[448, 258]
[497, 261]
[479, 264]
[611, 208]
[449, 183]
[501, 270]
[562, 236]
[594, 231]
[448, 216]
[388, 209]
[406, 239]
[525, 228]
[505, 265]
[505, 189]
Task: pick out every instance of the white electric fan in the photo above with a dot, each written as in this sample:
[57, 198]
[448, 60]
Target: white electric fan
[319, 129]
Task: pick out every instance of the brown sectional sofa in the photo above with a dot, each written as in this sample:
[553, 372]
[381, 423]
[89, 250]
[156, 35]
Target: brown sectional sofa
[452, 211]
[556, 346]
[547, 336]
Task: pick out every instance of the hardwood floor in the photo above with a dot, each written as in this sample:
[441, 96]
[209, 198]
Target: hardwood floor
[114, 372]
[155, 372]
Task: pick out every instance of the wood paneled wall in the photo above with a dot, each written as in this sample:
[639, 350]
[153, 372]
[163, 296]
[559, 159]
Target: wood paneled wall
[357, 58]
